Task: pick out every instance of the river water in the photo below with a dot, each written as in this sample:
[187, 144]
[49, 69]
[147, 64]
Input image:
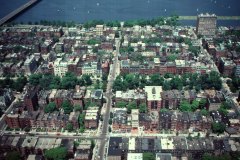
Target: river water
[84, 10]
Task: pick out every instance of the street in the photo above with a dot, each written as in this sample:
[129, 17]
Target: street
[103, 136]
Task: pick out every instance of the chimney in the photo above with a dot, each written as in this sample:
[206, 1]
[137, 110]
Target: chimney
[77, 88]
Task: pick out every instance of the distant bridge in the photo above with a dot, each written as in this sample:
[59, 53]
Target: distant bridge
[218, 17]
[17, 11]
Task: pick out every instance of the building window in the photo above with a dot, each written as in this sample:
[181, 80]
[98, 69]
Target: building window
[154, 105]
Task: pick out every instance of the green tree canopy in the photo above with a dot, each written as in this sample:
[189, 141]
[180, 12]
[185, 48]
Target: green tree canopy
[166, 86]
[34, 79]
[13, 155]
[19, 84]
[225, 105]
[163, 110]
[185, 106]
[82, 129]
[50, 107]
[204, 112]
[87, 79]
[77, 107]
[97, 84]
[194, 105]
[218, 127]
[81, 119]
[110, 121]
[121, 104]
[156, 79]
[202, 103]
[68, 81]
[58, 153]
[69, 127]
[142, 108]
[93, 42]
[225, 156]
[223, 111]
[149, 156]
[131, 105]
[67, 107]
[172, 57]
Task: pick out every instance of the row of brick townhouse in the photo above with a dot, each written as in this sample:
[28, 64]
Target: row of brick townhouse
[36, 119]
[154, 121]
[173, 147]
[6, 98]
[34, 99]
[72, 64]
[182, 121]
[35, 146]
[176, 67]
[120, 120]
[131, 95]
[155, 98]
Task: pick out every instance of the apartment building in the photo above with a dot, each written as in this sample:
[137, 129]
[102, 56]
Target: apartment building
[154, 98]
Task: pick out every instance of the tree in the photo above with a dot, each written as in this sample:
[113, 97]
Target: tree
[166, 86]
[55, 83]
[148, 156]
[225, 156]
[110, 121]
[104, 77]
[77, 107]
[49, 81]
[176, 83]
[142, 108]
[204, 112]
[34, 79]
[69, 81]
[131, 81]
[212, 80]
[207, 156]
[121, 104]
[81, 119]
[27, 129]
[194, 105]
[163, 110]
[67, 107]
[120, 85]
[131, 105]
[225, 105]
[69, 127]
[92, 144]
[172, 57]
[104, 86]
[19, 84]
[185, 106]
[87, 79]
[50, 107]
[156, 80]
[13, 155]
[218, 127]
[93, 42]
[223, 110]
[111, 115]
[194, 50]
[202, 103]
[109, 129]
[82, 129]
[97, 85]
[58, 153]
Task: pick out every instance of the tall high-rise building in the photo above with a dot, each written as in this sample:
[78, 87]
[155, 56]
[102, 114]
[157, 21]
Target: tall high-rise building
[206, 24]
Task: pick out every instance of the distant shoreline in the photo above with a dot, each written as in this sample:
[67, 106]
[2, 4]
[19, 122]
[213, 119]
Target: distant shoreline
[218, 17]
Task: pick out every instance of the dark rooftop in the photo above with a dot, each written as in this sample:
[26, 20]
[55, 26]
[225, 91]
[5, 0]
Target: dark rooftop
[115, 146]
